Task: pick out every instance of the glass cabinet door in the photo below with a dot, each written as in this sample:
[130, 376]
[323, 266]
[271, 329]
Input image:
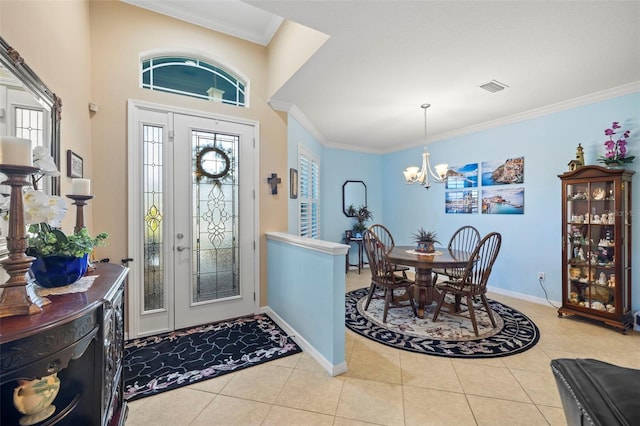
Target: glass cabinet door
[591, 235]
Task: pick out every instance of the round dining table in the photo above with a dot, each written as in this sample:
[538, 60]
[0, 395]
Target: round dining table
[424, 263]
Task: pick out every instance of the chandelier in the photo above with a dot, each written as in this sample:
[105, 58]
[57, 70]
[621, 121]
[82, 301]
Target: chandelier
[415, 174]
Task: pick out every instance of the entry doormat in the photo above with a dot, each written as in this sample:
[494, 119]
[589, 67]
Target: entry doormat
[449, 336]
[168, 361]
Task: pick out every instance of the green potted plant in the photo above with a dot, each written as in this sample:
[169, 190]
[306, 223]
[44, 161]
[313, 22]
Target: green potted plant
[61, 259]
[425, 240]
[361, 214]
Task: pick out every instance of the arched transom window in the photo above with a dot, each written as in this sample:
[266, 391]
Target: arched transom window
[192, 77]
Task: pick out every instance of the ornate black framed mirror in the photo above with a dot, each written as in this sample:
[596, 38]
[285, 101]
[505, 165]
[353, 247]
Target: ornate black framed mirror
[28, 108]
[354, 193]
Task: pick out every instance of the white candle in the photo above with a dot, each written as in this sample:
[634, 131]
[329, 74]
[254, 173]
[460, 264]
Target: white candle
[80, 187]
[16, 151]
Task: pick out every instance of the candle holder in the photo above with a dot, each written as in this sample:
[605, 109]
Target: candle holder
[79, 201]
[15, 300]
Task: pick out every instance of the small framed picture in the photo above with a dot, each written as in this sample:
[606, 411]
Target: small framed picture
[293, 183]
[348, 234]
[74, 164]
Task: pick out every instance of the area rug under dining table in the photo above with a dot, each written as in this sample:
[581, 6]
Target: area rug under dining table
[449, 336]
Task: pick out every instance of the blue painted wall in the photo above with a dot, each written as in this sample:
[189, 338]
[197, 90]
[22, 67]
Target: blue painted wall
[306, 289]
[298, 136]
[336, 167]
[532, 241]
[340, 166]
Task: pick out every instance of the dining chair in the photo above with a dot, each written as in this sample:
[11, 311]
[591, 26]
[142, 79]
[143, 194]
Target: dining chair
[464, 239]
[385, 237]
[473, 281]
[383, 275]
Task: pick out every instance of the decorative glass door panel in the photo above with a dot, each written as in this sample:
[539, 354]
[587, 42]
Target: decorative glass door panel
[215, 196]
[153, 209]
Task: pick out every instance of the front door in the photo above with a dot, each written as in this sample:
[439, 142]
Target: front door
[195, 219]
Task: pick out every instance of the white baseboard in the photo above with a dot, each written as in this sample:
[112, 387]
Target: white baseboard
[332, 369]
[522, 296]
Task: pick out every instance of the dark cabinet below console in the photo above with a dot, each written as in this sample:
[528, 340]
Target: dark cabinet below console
[78, 338]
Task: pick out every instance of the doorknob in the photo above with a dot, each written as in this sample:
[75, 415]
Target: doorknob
[181, 248]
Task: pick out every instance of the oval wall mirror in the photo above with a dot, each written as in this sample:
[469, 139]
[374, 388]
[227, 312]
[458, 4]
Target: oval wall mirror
[354, 193]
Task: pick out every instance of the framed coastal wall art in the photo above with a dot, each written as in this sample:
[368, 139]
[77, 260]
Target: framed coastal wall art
[457, 198]
[469, 190]
[507, 172]
[459, 177]
[503, 200]
[461, 201]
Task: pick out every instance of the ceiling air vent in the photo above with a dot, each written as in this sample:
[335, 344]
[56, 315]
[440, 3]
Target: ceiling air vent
[493, 86]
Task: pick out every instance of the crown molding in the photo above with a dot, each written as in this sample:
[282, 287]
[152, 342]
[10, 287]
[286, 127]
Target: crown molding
[599, 96]
[263, 24]
[357, 148]
[295, 112]
[592, 98]
[302, 119]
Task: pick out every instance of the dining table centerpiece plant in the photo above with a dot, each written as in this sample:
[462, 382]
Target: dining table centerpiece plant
[425, 240]
[362, 215]
[616, 150]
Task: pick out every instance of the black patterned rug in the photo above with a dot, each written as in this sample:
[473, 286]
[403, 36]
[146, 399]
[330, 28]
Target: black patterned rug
[168, 361]
[449, 336]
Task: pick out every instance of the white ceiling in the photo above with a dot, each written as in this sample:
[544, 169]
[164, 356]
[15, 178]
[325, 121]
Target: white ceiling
[363, 89]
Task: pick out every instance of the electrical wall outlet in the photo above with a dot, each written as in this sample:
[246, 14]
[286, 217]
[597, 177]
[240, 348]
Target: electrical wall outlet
[540, 276]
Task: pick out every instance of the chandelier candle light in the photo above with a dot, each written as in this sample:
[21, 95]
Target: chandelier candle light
[414, 174]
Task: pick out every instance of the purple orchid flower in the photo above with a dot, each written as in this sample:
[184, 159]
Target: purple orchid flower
[616, 150]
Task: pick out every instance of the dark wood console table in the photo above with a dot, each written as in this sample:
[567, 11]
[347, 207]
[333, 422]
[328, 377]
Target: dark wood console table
[79, 336]
[360, 252]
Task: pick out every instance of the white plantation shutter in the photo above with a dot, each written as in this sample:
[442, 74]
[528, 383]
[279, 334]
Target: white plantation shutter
[309, 194]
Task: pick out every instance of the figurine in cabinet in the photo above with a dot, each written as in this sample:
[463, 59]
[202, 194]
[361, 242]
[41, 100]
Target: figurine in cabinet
[33, 398]
[575, 273]
[602, 279]
[612, 280]
[573, 298]
[604, 255]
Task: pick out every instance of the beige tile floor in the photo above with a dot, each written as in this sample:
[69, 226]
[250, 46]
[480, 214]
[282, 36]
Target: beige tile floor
[386, 386]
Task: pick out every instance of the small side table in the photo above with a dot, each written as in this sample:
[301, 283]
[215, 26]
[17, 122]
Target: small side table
[360, 247]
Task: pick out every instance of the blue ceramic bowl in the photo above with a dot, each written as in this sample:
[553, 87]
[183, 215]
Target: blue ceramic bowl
[58, 270]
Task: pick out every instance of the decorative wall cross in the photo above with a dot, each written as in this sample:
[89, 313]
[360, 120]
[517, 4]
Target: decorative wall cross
[274, 180]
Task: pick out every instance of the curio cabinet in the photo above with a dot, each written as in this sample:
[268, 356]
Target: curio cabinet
[596, 249]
